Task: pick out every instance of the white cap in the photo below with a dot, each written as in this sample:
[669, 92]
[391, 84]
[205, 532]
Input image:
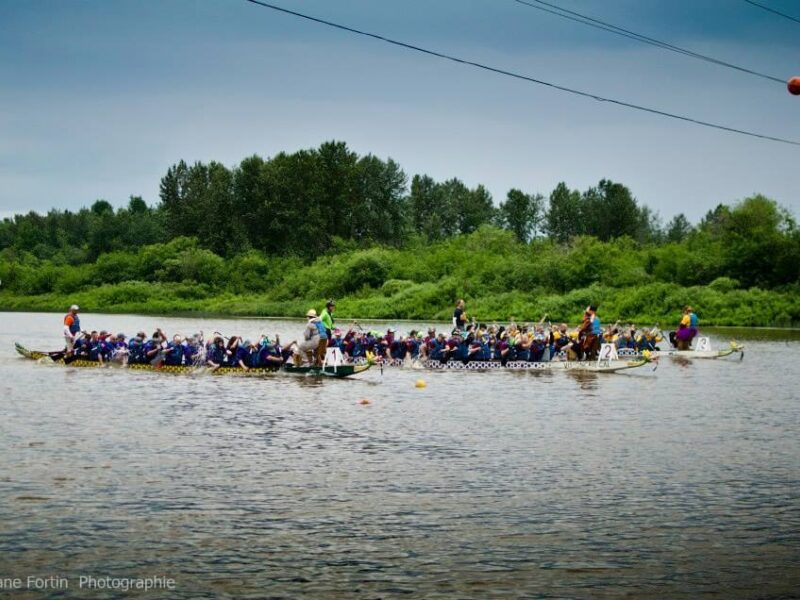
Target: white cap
[74, 307]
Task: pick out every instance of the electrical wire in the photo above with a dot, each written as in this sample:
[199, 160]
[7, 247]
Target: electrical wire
[598, 24]
[773, 11]
[521, 77]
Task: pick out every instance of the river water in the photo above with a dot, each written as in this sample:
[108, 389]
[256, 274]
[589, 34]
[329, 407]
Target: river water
[678, 482]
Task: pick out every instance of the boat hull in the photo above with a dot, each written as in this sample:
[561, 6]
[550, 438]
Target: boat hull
[329, 371]
[706, 354]
[605, 366]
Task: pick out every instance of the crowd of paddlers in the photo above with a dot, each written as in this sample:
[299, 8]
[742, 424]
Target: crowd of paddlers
[464, 341]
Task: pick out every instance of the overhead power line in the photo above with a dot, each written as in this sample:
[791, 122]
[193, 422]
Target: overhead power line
[598, 24]
[521, 77]
[773, 11]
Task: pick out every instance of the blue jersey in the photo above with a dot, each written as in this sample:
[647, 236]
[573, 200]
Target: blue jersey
[242, 354]
[596, 328]
[100, 349]
[135, 351]
[190, 353]
[692, 320]
[216, 354]
[174, 354]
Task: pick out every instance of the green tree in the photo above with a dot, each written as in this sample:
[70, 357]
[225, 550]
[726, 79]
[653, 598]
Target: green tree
[476, 209]
[378, 214]
[760, 243]
[679, 228]
[563, 219]
[425, 203]
[609, 211]
[521, 214]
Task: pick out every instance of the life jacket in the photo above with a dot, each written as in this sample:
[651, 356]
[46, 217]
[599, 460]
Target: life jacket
[174, 354]
[692, 320]
[397, 350]
[216, 354]
[81, 347]
[98, 349]
[562, 340]
[435, 349]
[73, 322]
[323, 332]
[190, 353]
[135, 350]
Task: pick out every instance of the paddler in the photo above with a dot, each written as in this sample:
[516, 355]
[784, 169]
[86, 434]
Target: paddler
[559, 340]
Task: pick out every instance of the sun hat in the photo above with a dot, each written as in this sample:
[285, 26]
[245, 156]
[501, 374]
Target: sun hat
[74, 307]
[311, 313]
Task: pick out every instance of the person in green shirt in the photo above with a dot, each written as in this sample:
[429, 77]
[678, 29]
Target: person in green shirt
[327, 317]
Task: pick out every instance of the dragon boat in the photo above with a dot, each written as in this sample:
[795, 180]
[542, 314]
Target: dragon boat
[58, 357]
[592, 366]
[702, 350]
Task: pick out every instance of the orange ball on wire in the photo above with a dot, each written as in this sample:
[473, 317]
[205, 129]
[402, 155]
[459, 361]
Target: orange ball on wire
[794, 86]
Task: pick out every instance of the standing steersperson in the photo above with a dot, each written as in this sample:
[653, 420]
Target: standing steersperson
[72, 326]
[326, 316]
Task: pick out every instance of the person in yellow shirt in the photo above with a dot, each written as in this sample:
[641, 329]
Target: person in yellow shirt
[685, 332]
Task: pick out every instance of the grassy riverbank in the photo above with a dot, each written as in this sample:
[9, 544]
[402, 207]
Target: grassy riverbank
[643, 305]
[500, 279]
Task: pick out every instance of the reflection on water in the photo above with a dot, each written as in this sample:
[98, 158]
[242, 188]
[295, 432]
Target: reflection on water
[673, 483]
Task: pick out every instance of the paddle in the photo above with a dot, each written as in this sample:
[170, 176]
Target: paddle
[56, 356]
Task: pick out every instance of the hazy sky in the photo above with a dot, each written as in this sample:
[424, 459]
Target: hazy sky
[99, 98]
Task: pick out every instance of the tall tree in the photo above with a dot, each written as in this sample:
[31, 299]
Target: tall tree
[476, 209]
[563, 219]
[521, 214]
[335, 173]
[679, 228]
[610, 211]
[425, 204]
[380, 191]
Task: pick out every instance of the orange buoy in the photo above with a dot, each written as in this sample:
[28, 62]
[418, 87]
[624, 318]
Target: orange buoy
[794, 86]
[363, 401]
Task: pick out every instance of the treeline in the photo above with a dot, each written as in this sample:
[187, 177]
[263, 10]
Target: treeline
[327, 222]
[305, 203]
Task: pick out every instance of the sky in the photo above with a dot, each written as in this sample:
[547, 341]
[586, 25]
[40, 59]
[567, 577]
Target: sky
[98, 98]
